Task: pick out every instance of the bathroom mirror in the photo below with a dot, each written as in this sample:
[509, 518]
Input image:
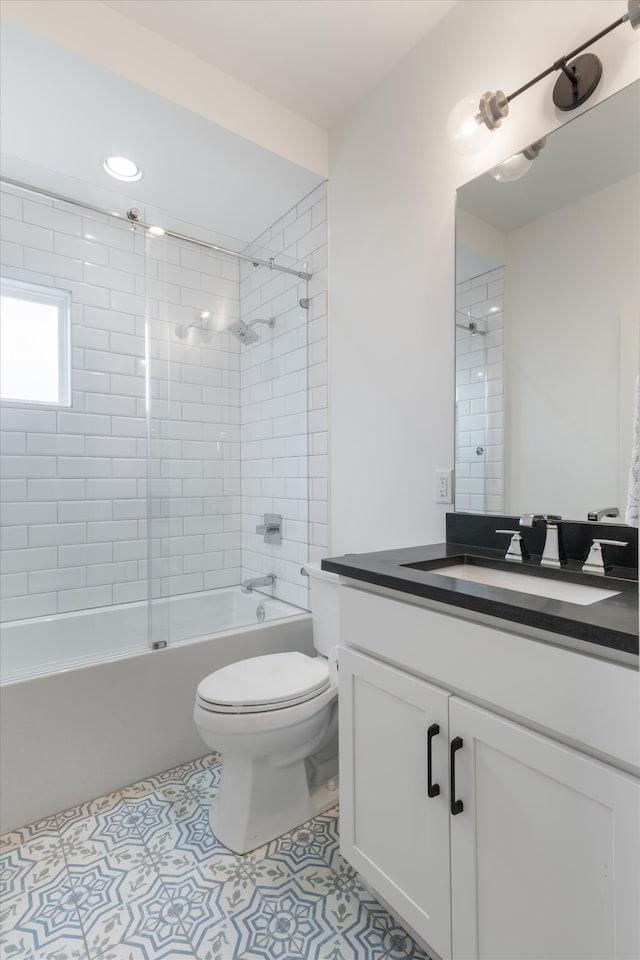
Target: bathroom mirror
[547, 322]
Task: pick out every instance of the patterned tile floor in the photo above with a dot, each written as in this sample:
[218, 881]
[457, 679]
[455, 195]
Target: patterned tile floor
[138, 875]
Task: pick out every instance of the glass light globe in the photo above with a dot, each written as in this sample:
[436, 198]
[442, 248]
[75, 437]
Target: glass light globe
[512, 169]
[465, 127]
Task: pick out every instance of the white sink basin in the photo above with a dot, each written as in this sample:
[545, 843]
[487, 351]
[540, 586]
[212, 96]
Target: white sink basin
[523, 583]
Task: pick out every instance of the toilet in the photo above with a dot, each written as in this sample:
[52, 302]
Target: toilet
[274, 719]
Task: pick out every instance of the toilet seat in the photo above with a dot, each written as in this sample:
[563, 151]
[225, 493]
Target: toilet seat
[263, 684]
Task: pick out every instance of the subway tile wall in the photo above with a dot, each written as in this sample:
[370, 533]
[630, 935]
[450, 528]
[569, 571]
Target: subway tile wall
[479, 477]
[74, 480]
[75, 528]
[284, 399]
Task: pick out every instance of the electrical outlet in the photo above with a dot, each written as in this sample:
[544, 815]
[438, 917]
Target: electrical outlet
[444, 486]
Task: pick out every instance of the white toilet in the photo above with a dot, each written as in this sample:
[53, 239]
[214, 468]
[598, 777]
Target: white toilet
[275, 721]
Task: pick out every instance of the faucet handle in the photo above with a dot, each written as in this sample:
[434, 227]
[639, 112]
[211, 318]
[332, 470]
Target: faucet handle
[595, 562]
[517, 552]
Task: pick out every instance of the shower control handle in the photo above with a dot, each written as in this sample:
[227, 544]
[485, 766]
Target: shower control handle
[271, 528]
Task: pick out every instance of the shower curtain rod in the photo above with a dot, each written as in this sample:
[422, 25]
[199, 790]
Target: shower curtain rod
[136, 222]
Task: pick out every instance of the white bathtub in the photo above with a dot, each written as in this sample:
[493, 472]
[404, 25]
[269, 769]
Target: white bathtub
[103, 716]
[42, 645]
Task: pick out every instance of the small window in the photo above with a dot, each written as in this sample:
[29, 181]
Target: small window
[34, 343]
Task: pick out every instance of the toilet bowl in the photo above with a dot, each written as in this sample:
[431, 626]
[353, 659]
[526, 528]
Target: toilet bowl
[274, 719]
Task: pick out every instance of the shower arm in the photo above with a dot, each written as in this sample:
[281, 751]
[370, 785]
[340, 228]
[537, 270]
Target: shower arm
[271, 322]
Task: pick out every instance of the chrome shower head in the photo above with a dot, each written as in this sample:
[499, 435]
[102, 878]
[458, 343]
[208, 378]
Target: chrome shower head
[243, 330]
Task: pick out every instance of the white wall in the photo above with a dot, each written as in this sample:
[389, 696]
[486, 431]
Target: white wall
[391, 249]
[564, 352]
[74, 480]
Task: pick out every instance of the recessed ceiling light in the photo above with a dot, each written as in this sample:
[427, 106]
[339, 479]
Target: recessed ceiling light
[122, 168]
[156, 231]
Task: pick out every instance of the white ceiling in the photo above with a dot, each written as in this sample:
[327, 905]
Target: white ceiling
[62, 114]
[316, 57]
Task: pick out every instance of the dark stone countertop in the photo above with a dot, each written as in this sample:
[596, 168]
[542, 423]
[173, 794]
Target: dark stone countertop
[612, 622]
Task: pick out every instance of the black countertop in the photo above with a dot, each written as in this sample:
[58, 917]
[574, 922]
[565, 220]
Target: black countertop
[612, 622]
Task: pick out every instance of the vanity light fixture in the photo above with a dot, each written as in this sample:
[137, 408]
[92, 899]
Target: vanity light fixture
[121, 168]
[473, 118]
[519, 164]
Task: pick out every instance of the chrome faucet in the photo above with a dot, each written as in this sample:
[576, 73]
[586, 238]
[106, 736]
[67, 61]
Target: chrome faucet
[598, 515]
[553, 554]
[249, 585]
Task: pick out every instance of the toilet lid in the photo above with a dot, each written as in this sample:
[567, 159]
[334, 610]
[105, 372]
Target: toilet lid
[264, 683]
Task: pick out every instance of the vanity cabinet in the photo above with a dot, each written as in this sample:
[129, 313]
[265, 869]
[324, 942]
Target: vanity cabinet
[392, 832]
[535, 854]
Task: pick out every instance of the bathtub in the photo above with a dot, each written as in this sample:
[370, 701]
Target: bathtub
[108, 710]
[42, 645]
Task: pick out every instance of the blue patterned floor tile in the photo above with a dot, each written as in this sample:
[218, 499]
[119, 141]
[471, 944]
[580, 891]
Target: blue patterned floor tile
[146, 879]
[107, 897]
[9, 841]
[90, 808]
[273, 949]
[31, 865]
[294, 849]
[142, 788]
[297, 890]
[203, 785]
[124, 951]
[221, 868]
[111, 834]
[347, 930]
[13, 947]
[45, 919]
[412, 951]
[218, 942]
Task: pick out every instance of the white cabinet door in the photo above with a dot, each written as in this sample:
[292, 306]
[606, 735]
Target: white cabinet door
[392, 831]
[544, 854]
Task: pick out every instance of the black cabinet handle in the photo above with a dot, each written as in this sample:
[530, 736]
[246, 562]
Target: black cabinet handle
[433, 789]
[456, 805]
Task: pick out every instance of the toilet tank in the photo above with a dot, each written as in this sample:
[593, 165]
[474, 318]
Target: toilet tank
[324, 607]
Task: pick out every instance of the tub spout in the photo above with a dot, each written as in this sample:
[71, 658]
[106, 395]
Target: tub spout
[249, 585]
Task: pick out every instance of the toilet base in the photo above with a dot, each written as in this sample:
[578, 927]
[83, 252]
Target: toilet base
[257, 803]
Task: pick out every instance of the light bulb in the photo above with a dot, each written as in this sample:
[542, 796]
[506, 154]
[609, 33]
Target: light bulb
[473, 118]
[520, 163]
[156, 231]
[512, 169]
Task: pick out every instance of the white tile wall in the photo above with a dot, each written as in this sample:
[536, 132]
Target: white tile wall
[235, 432]
[74, 480]
[284, 400]
[479, 480]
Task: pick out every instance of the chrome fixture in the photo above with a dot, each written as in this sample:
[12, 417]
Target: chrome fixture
[133, 216]
[553, 554]
[198, 323]
[243, 330]
[248, 586]
[517, 551]
[472, 328]
[474, 117]
[598, 515]
[271, 528]
[595, 562]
